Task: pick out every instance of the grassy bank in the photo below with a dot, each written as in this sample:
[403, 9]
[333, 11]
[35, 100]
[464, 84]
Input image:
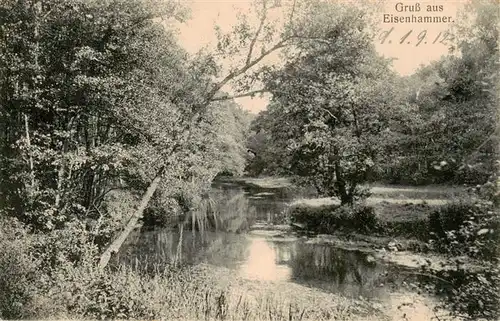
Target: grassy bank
[461, 240]
[395, 220]
[34, 285]
[459, 227]
[397, 211]
[377, 190]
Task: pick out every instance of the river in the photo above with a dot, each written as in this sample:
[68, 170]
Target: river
[248, 243]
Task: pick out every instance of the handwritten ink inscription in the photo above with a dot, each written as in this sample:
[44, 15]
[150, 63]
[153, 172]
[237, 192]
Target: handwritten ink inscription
[417, 38]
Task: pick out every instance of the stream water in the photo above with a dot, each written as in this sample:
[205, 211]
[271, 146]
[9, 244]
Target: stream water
[247, 243]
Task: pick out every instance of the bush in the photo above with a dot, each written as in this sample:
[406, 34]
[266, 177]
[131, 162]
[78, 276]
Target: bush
[90, 293]
[18, 270]
[328, 219]
[55, 275]
[469, 229]
[358, 218]
[475, 294]
[470, 295]
[42, 275]
[466, 228]
[166, 213]
[449, 217]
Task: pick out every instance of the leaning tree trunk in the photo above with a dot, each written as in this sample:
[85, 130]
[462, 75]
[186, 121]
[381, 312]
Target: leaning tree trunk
[210, 97]
[114, 247]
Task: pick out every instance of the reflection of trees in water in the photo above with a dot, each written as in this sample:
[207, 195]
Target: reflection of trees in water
[227, 209]
[256, 203]
[338, 269]
[212, 241]
[160, 248]
[230, 211]
[284, 251]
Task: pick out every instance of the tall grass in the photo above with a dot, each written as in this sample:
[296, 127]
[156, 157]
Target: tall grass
[198, 294]
[201, 292]
[188, 294]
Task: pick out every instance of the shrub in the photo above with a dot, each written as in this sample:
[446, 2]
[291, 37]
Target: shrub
[470, 230]
[449, 217]
[416, 228]
[18, 270]
[90, 293]
[328, 219]
[476, 294]
[470, 295]
[466, 228]
[312, 218]
[66, 282]
[165, 213]
[70, 245]
[358, 218]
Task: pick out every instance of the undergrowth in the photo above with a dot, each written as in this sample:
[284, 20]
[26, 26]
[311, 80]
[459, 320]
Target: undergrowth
[329, 219]
[67, 284]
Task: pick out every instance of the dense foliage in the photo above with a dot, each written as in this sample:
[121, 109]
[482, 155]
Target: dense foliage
[333, 219]
[97, 96]
[105, 120]
[340, 104]
[329, 107]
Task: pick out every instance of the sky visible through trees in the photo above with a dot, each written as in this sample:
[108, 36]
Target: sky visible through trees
[198, 32]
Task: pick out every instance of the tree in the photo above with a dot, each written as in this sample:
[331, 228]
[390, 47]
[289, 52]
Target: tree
[95, 96]
[269, 153]
[449, 135]
[330, 104]
[72, 75]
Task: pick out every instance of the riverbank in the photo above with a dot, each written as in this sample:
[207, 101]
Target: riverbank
[394, 217]
[384, 191]
[263, 289]
[254, 265]
[446, 233]
[392, 203]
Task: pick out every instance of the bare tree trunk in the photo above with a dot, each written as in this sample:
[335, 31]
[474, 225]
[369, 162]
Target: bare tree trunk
[38, 9]
[114, 247]
[28, 142]
[178, 253]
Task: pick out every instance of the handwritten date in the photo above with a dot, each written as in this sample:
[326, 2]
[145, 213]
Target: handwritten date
[416, 38]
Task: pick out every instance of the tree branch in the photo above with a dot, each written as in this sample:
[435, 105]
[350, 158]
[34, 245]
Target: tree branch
[247, 94]
[245, 68]
[254, 40]
[292, 13]
[327, 111]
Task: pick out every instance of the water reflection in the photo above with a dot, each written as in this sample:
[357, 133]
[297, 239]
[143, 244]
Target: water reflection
[163, 247]
[264, 255]
[266, 203]
[257, 257]
[331, 269]
[253, 256]
[262, 263]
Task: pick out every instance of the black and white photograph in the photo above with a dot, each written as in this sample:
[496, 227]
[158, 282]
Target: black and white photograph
[270, 160]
